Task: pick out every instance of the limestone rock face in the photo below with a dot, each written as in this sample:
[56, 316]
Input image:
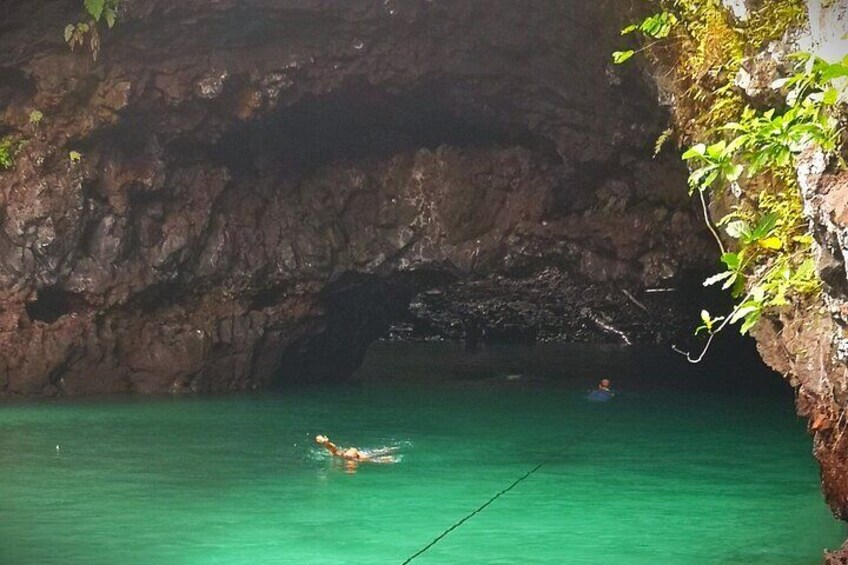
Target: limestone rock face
[265, 186]
[808, 344]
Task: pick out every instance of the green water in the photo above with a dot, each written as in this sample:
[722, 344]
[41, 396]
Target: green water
[652, 477]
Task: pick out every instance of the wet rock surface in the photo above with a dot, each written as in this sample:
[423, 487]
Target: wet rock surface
[266, 187]
[808, 341]
[808, 344]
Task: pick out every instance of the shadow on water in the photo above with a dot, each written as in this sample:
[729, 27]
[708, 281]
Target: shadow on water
[732, 367]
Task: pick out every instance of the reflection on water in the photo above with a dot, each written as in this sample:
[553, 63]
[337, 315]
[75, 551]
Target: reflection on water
[728, 367]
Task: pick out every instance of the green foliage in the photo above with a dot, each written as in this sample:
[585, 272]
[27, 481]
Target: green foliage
[619, 57]
[76, 34]
[773, 258]
[103, 9]
[662, 139]
[11, 145]
[771, 20]
[709, 323]
[717, 164]
[94, 8]
[657, 26]
[9, 148]
[699, 47]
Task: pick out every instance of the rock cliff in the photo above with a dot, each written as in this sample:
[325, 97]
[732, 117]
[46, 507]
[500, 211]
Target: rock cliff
[265, 187]
[807, 342]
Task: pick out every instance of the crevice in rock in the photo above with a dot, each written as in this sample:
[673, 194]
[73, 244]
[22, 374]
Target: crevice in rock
[51, 303]
[158, 296]
[355, 122]
[268, 297]
[14, 86]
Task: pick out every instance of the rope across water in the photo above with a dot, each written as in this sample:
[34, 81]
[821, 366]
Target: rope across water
[469, 516]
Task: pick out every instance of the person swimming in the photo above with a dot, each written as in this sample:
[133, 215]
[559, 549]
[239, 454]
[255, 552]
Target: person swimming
[357, 455]
[603, 392]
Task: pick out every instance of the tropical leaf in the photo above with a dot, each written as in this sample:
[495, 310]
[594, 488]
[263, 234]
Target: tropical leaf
[732, 260]
[619, 57]
[694, 151]
[744, 310]
[750, 321]
[110, 16]
[95, 8]
[738, 229]
[718, 278]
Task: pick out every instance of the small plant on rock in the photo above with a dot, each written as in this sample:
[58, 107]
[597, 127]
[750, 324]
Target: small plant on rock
[9, 148]
[35, 117]
[76, 34]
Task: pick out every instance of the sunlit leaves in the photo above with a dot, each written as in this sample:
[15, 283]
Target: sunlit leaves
[773, 257]
[716, 162]
[813, 75]
[619, 57]
[753, 156]
[708, 323]
[772, 263]
[717, 278]
[102, 9]
[94, 8]
[734, 277]
[657, 26]
[773, 243]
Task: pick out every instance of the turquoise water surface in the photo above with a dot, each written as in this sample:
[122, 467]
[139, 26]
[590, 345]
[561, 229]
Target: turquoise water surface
[652, 477]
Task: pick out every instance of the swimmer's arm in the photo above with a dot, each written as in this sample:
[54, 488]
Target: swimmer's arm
[332, 448]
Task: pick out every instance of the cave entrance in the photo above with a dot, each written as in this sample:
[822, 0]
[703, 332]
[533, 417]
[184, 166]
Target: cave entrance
[521, 303]
[446, 332]
[359, 309]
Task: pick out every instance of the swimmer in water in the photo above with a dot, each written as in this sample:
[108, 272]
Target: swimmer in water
[351, 453]
[604, 385]
[355, 455]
